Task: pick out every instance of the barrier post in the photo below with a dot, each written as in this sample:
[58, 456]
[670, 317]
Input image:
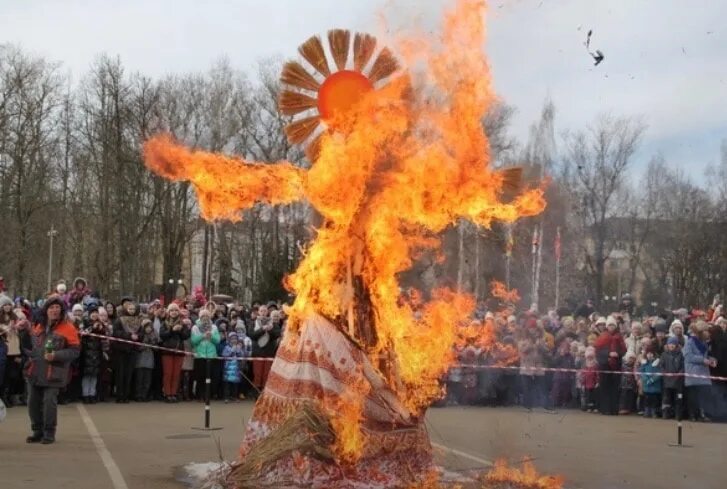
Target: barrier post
[207, 396]
[678, 416]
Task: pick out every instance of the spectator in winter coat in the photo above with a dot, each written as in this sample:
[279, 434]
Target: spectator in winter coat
[264, 336]
[205, 338]
[173, 333]
[563, 381]
[533, 351]
[672, 362]
[633, 342]
[11, 376]
[660, 335]
[234, 351]
[589, 378]
[651, 383]
[80, 290]
[127, 327]
[91, 355]
[610, 348]
[187, 382]
[629, 386]
[145, 360]
[51, 347]
[718, 350]
[677, 330]
[697, 363]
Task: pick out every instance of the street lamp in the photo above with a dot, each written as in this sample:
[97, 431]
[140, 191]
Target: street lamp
[51, 235]
[172, 289]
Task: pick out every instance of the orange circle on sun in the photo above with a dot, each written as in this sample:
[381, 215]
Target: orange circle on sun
[341, 91]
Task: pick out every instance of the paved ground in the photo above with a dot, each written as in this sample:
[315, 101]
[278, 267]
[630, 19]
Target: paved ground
[138, 446]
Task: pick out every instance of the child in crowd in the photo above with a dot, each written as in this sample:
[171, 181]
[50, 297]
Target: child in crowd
[589, 380]
[629, 385]
[672, 362]
[650, 383]
[145, 361]
[234, 351]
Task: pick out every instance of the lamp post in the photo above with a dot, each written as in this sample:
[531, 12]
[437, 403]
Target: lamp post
[172, 289]
[51, 234]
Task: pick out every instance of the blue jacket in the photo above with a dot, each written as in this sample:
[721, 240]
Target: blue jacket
[233, 366]
[650, 383]
[694, 364]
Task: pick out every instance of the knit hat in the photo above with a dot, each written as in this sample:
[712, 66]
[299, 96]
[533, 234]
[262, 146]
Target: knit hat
[77, 308]
[611, 321]
[673, 340]
[173, 307]
[61, 288]
[601, 320]
[51, 300]
[231, 335]
[678, 323]
[126, 299]
[92, 307]
[660, 326]
[5, 300]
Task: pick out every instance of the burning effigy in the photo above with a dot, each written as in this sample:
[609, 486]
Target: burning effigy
[397, 154]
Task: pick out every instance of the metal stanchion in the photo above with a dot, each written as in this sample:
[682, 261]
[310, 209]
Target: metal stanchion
[207, 396]
[678, 416]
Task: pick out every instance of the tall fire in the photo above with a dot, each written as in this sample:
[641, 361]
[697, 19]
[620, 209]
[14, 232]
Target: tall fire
[397, 153]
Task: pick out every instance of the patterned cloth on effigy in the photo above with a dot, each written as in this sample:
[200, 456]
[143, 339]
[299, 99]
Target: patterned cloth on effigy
[318, 365]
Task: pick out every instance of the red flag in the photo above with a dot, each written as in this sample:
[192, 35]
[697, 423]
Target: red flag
[557, 244]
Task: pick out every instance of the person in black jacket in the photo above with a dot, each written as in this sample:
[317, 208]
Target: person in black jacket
[264, 337]
[91, 355]
[672, 362]
[126, 327]
[173, 333]
[718, 349]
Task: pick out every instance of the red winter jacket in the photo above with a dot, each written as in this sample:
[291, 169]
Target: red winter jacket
[605, 345]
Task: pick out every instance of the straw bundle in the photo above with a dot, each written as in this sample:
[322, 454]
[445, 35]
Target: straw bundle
[291, 103]
[384, 66]
[363, 48]
[313, 150]
[312, 51]
[339, 40]
[301, 130]
[308, 431]
[294, 74]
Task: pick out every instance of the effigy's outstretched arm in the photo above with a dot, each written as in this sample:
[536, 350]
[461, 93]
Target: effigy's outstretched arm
[224, 185]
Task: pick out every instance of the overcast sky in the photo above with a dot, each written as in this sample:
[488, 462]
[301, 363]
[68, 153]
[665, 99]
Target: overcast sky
[666, 60]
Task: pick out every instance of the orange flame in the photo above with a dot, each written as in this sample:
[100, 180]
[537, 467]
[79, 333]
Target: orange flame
[508, 296]
[525, 478]
[406, 161]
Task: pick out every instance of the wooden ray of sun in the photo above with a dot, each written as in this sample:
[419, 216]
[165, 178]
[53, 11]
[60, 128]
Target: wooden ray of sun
[317, 94]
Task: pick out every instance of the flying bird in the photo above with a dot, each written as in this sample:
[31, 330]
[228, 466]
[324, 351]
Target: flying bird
[598, 56]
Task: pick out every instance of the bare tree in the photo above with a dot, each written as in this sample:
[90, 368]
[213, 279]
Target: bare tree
[596, 166]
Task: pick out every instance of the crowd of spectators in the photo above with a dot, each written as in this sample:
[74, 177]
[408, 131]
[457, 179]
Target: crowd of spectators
[612, 364]
[661, 365]
[191, 331]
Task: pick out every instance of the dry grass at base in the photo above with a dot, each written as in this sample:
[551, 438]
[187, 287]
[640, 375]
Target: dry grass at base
[308, 432]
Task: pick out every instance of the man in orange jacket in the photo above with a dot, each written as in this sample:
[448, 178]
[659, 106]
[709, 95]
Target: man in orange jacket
[51, 345]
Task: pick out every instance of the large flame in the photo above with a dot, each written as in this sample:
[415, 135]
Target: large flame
[406, 162]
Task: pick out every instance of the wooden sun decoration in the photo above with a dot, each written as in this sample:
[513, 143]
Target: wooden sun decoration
[318, 96]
